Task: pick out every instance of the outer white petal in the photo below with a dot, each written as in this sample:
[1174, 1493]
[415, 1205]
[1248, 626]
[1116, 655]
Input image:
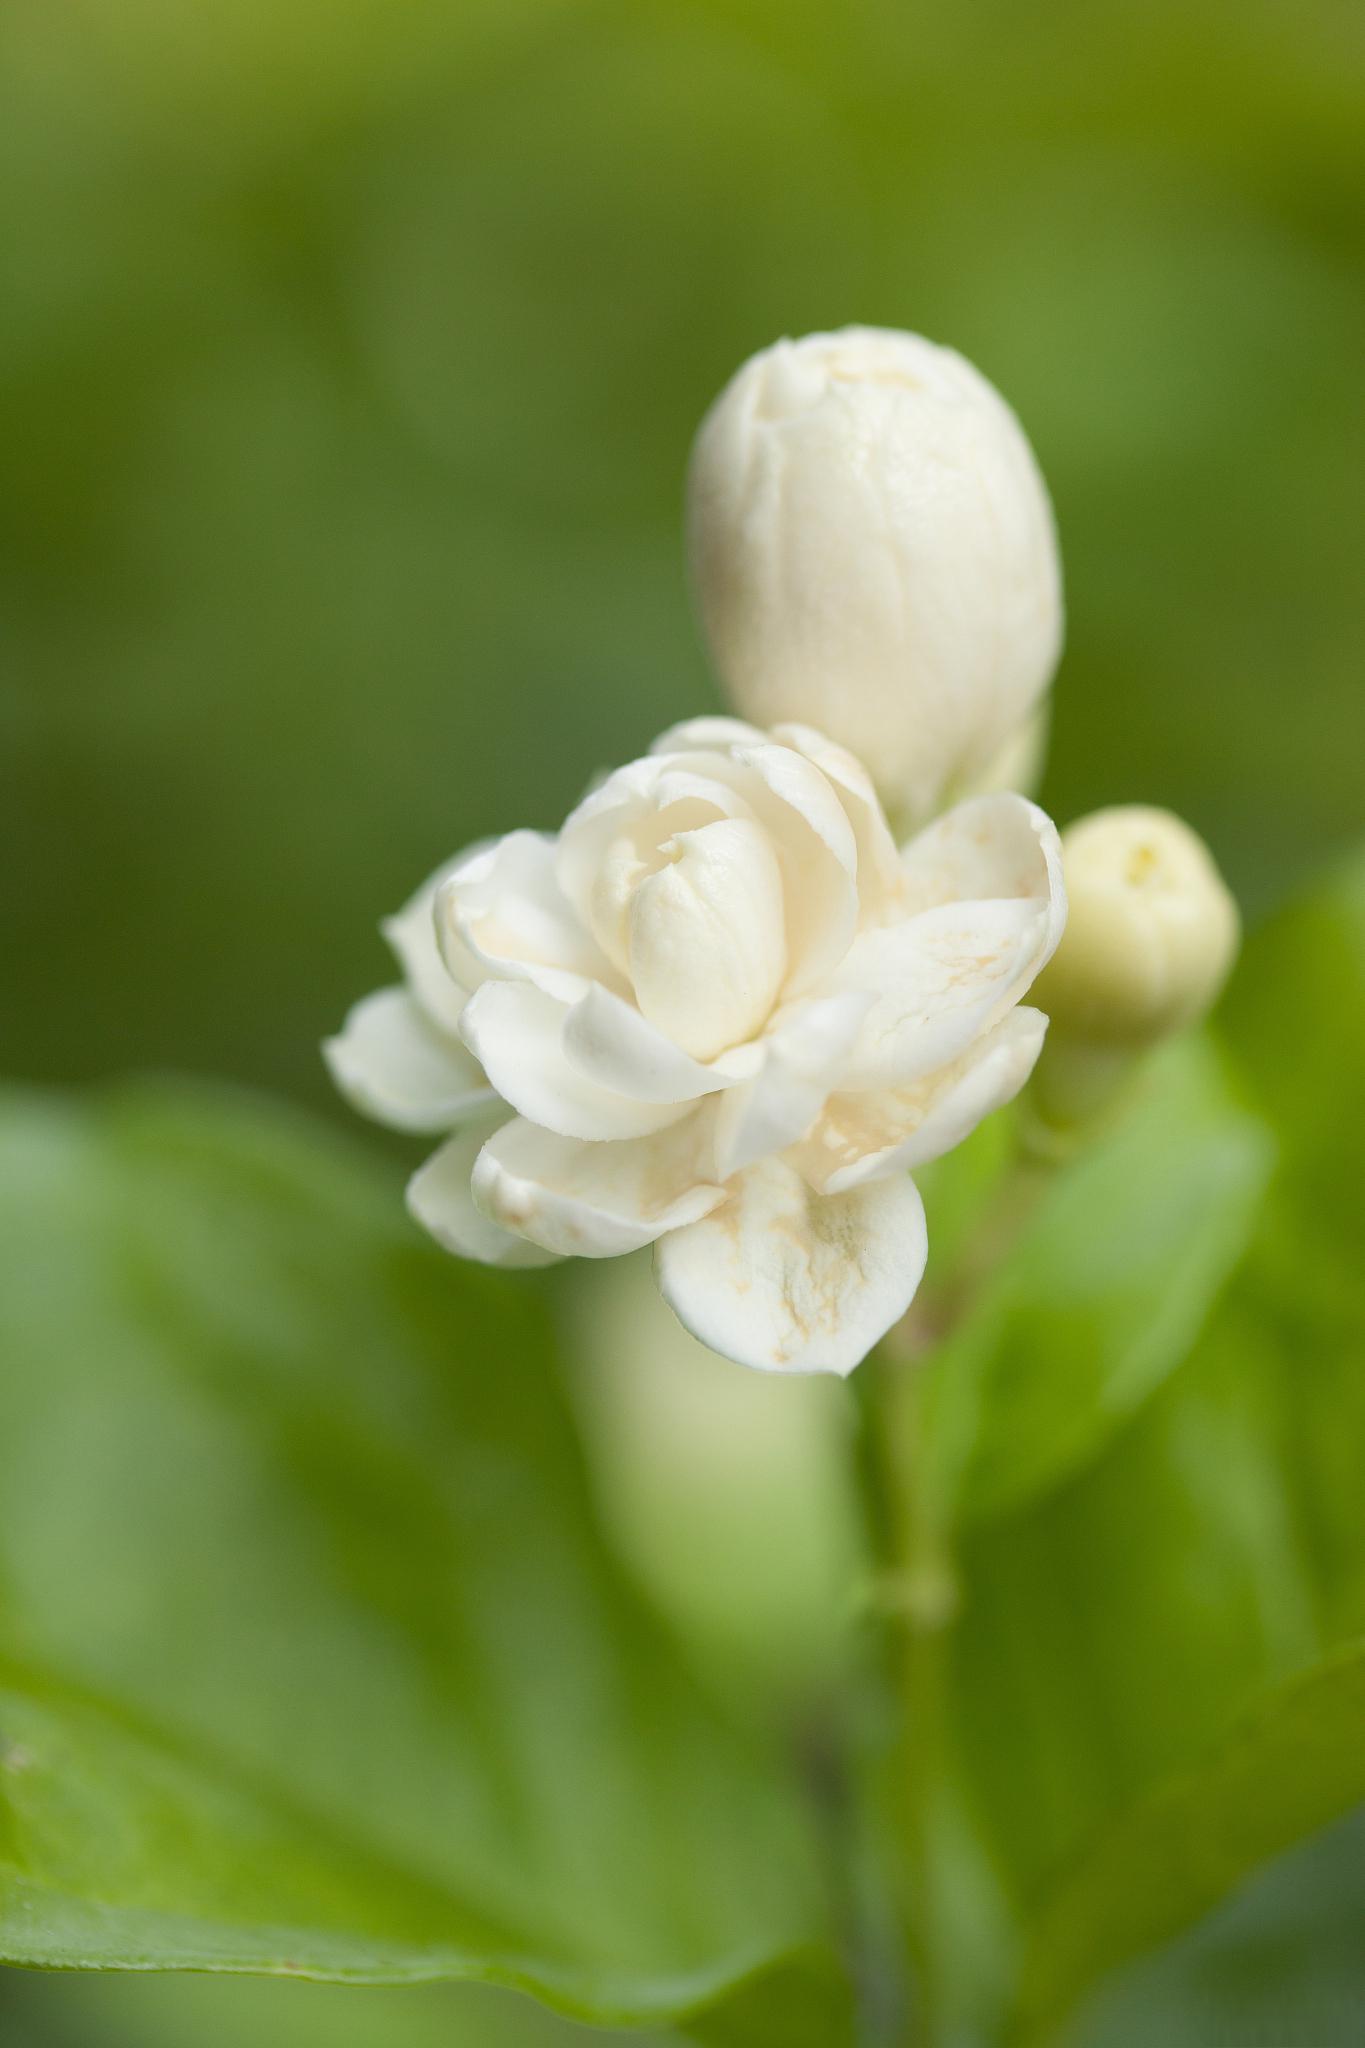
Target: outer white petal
[881, 881]
[865, 1138]
[391, 1062]
[801, 1060]
[503, 913]
[612, 1044]
[787, 1280]
[940, 980]
[593, 1201]
[440, 1199]
[411, 934]
[517, 1033]
[818, 854]
[991, 906]
[708, 735]
[990, 846]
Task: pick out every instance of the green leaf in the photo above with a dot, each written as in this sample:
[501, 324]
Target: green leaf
[1111, 1633]
[1296, 1762]
[1280, 1961]
[1294, 1017]
[1102, 1295]
[313, 1660]
[1123, 1637]
[796, 2008]
[1296, 1020]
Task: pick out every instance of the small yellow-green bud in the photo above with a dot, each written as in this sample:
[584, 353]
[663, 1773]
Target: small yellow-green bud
[1151, 933]
[1151, 930]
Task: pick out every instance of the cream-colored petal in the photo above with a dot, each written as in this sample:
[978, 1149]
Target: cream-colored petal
[614, 840]
[881, 881]
[986, 884]
[990, 846]
[594, 1201]
[707, 943]
[441, 1200]
[786, 1280]
[940, 980]
[812, 838]
[863, 1138]
[818, 856]
[516, 1032]
[393, 1063]
[708, 735]
[504, 914]
[411, 935]
[612, 1044]
[802, 1058]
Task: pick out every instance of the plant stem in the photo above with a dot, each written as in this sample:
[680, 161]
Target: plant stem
[917, 1577]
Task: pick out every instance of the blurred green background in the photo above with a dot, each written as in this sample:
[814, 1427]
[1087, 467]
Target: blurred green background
[349, 360]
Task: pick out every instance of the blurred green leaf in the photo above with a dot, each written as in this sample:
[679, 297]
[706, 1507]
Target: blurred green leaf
[73, 2009]
[1296, 1020]
[1297, 1762]
[1280, 1962]
[1112, 1632]
[793, 2007]
[1102, 1293]
[1151, 1685]
[1294, 1017]
[313, 1660]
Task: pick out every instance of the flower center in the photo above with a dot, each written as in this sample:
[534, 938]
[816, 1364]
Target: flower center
[707, 948]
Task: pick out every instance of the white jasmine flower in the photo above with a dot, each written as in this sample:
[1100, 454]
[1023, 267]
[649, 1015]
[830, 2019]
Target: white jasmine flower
[873, 553]
[718, 1013]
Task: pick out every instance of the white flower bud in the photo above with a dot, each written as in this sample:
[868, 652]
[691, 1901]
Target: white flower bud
[1151, 933]
[873, 554]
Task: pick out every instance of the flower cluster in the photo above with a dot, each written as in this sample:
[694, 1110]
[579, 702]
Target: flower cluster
[721, 1013]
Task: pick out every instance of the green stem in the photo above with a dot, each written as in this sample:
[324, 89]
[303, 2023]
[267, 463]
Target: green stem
[917, 1579]
[911, 1587]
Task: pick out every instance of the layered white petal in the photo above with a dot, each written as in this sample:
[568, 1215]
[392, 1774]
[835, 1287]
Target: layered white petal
[615, 839]
[881, 881]
[708, 735]
[999, 845]
[612, 1044]
[393, 1063]
[503, 914]
[786, 1280]
[594, 1201]
[818, 855]
[707, 946]
[938, 981]
[411, 935]
[516, 1032]
[440, 1199]
[810, 832]
[801, 1060]
[863, 1138]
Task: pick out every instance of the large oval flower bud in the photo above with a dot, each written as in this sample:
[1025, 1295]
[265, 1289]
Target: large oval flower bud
[1151, 932]
[873, 554]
